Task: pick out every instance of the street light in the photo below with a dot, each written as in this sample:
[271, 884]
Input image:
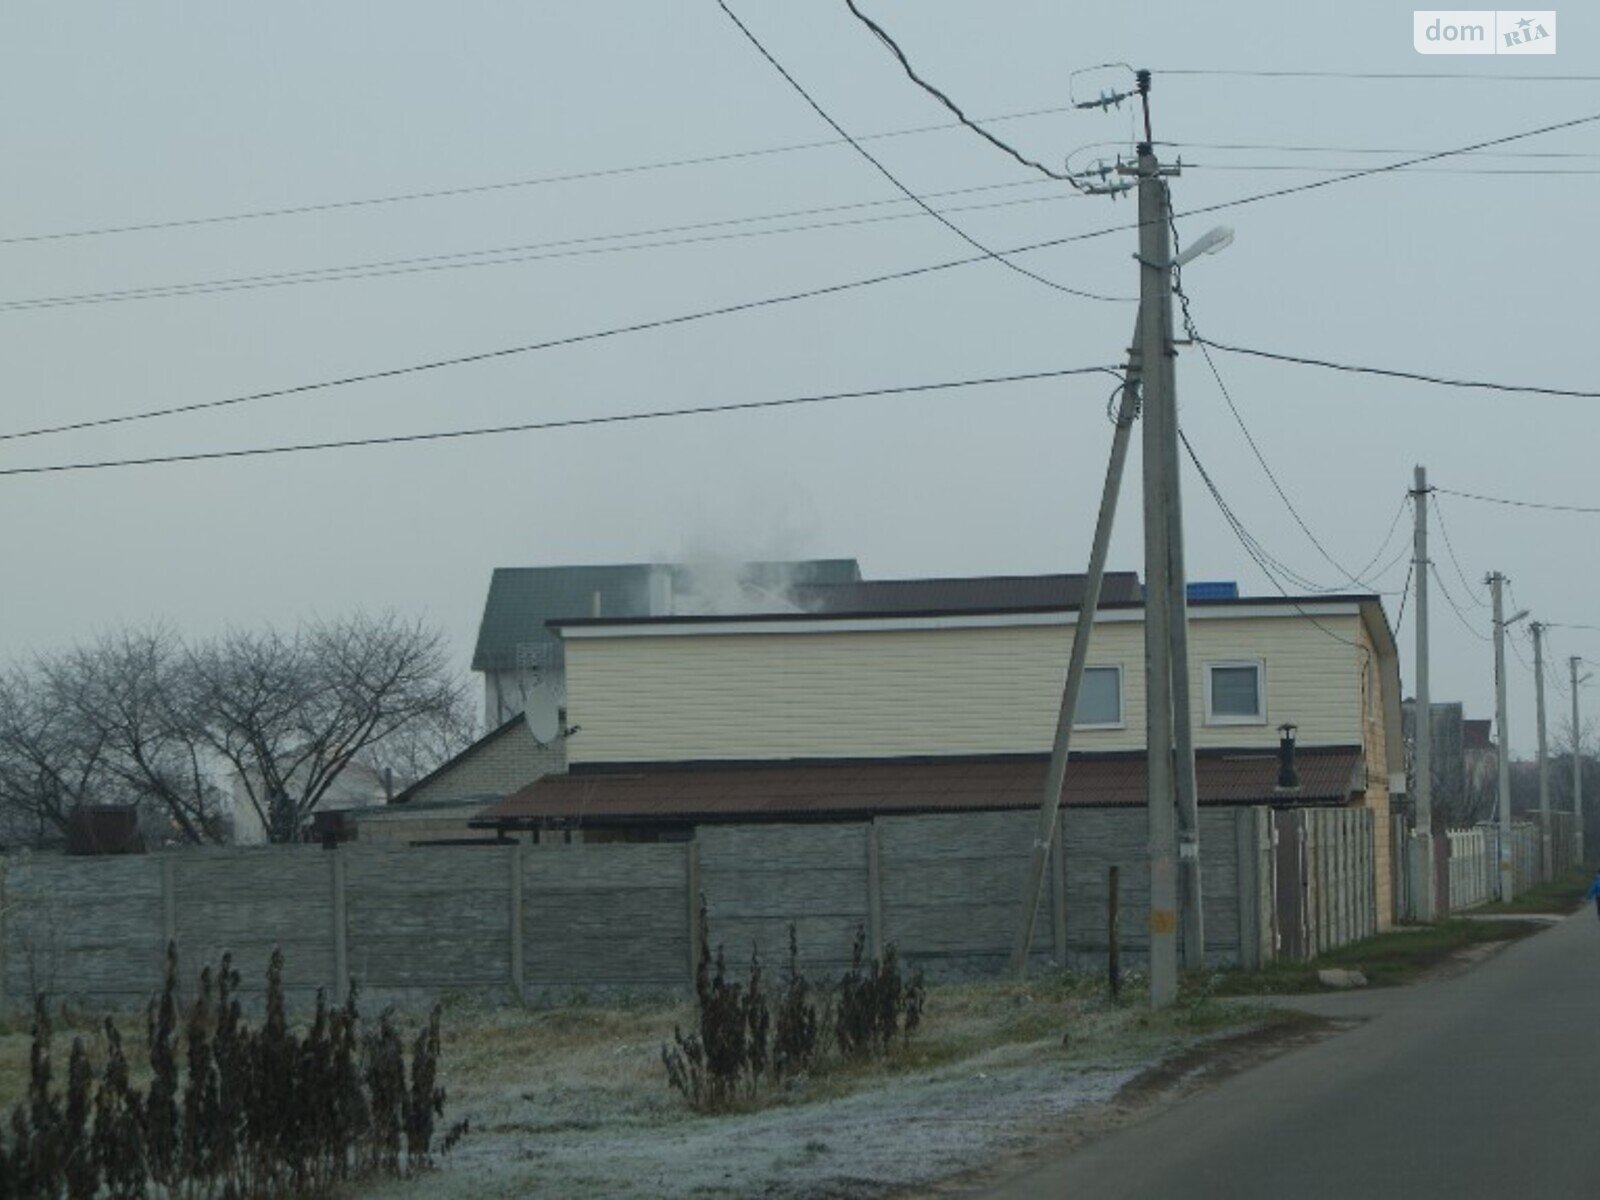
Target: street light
[1207, 243]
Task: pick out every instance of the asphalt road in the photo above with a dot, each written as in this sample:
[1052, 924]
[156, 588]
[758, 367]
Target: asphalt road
[1487, 1084]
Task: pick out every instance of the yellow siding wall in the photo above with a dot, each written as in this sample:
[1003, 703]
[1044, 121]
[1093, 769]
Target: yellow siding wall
[884, 693]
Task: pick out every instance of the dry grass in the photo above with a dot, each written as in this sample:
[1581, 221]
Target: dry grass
[612, 1053]
[575, 1099]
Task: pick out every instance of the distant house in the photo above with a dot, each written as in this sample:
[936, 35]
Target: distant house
[840, 714]
[357, 786]
[1463, 758]
[521, 654]
[517, 651]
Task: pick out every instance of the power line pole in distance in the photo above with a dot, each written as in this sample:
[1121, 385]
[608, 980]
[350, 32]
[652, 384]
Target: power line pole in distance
[1503, 750]
[1577, 762]
[1546, 847]
[1422, 874]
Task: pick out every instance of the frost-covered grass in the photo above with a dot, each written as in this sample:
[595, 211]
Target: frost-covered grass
[574, 1102]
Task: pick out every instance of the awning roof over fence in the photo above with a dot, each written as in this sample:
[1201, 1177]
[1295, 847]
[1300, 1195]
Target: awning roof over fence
[789, 791]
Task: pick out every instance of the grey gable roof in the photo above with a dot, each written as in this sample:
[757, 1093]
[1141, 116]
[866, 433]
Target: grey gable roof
[523, 599]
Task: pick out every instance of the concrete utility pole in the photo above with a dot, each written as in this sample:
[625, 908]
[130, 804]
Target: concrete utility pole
[1055, 774]
[1546, 846]
[1156, 353]
[1503, 750]
[1191, 910]
[1577, 763]
[1422, 725]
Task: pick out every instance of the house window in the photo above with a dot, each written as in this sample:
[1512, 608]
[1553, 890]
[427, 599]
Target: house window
[1236, 693]
[1099, 699]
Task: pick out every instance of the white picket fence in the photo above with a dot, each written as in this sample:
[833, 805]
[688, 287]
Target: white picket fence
[1473, 866]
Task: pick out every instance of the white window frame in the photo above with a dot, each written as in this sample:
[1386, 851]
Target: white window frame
[1122, 700]
[1257, 718]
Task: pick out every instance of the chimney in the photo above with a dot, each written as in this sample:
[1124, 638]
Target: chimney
[661, 591]
[1288, 777]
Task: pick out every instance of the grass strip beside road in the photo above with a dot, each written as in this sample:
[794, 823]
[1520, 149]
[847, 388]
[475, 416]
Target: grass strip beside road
[1562, 894]
[1387, 960]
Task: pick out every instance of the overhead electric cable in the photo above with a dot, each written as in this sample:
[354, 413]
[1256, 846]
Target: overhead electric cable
[1456, 608]
[1414, 376]
[766, 302]
[1238, 417]
[296, 210]
[1570, 508]
[1469, 76]
[911, 72]
[566, 423]
[1246, 540]
[1438, 511]
[894, 179]
[530, 252]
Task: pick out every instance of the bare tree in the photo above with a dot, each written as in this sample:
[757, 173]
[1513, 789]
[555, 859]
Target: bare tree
[126, 693]
[419, 747]
[136, 717]
[49, 763]
[290, 713]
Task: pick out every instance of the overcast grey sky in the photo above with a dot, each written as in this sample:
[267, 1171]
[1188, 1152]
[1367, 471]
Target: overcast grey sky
[131, 114]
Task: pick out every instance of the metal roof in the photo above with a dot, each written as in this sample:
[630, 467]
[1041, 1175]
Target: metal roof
[973, 594]
[845, 790]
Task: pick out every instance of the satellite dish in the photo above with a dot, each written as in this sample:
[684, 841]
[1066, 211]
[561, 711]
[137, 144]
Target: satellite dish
[543, 715]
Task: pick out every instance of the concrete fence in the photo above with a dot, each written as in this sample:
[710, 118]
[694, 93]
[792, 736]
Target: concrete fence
[541, 922]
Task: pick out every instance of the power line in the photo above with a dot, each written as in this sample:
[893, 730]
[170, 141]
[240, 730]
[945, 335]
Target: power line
[296, 210]
[890, 175]
[905, 63]
[1301, 148]
[749, 305]
[1366, 569]
[568, 423]
[1405, 594]
[1472, 595]
[1334, 168]
[1475, 77]
[1238, 417]
[1456, 608]
[1414, 376]
[528, 252]
[528, 348]
[1394, 166]
[1249, 543]
[1572, 508]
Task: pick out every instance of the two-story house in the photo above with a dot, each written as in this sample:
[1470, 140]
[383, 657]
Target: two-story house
[841, 715]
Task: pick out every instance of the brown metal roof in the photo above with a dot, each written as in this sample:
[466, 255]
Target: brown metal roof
[790, 791]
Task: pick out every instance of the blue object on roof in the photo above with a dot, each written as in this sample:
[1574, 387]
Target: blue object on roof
[1213, 590]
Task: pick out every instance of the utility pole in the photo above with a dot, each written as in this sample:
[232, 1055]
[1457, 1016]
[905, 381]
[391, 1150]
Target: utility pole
[1546, 847]
[1187, 785]
[1503, 751]
[1577, 763]
[1422, 725]
[1162, 582]
[1055, 774]
[1149, 384]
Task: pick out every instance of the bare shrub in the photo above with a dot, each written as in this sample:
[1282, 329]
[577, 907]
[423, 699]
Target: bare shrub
[737, 1044]
[259, 1112]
